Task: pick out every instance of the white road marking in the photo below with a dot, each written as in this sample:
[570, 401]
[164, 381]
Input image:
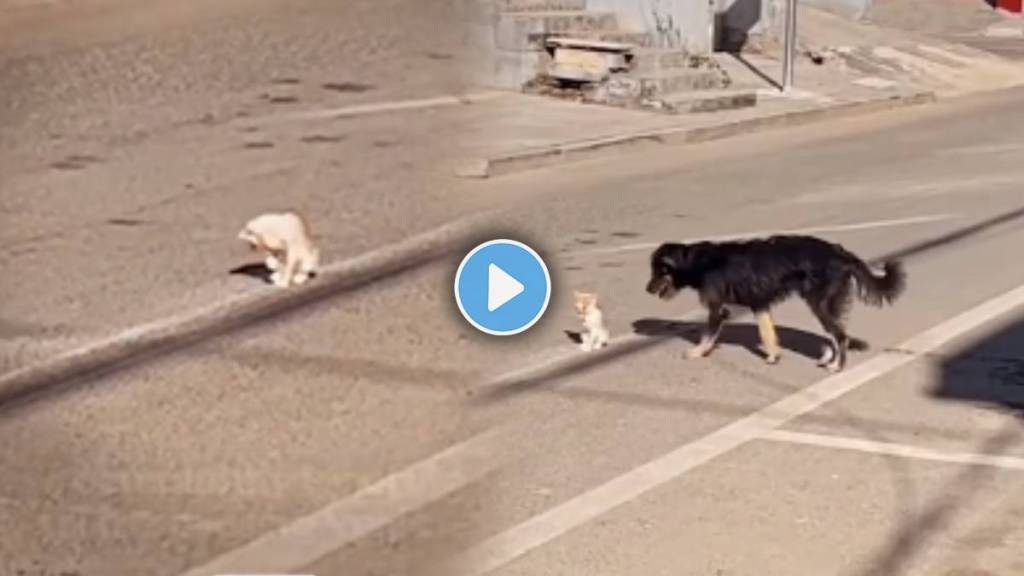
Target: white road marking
[308, 539]
[509, 545]
[381, 107]
[893, 449]
[853, 227]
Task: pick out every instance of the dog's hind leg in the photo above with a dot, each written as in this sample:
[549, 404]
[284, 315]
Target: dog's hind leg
[829, 314]
[716, 318]
[769, 338]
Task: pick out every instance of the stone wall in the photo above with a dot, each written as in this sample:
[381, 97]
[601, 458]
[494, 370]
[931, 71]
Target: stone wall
[682, 24]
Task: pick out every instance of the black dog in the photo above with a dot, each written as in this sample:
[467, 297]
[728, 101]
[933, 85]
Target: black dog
[759, 274]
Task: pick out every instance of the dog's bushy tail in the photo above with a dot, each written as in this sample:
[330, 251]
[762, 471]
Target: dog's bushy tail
[878, 290]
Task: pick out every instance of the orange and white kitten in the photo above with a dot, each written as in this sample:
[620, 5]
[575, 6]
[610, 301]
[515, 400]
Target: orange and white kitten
[596, 336]
[285, 239]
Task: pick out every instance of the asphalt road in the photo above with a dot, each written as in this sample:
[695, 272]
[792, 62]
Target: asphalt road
[348, 434]
[137, 136]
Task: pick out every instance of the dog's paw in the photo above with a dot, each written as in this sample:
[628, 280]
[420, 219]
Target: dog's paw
[770, 356]
[696, 353]
[827, 355]
[300, 278]
[272, 264]
[835, 363]
[278, 279]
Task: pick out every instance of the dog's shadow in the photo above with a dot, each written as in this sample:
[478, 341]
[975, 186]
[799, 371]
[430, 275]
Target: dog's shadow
[256, 270]
[738, 334]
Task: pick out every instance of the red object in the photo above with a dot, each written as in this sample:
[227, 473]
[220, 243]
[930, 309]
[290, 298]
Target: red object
[1012, 5]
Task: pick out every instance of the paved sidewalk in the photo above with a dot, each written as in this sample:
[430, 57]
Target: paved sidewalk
[844, 68]
[937, 17]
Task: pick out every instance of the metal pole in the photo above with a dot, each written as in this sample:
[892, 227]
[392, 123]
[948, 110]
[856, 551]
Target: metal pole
[789, 57]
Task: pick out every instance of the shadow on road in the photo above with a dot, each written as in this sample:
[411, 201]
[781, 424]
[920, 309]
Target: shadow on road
[756, 71]
[734, 25]
[953, 237]
[255, 270]
[733, 333]
[69, 376]
[989, 372]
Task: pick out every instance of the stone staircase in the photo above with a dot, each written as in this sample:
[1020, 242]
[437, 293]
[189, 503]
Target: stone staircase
[560, 48]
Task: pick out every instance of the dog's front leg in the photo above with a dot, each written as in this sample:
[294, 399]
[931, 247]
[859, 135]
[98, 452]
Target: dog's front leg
[716, 317]
[769, 338]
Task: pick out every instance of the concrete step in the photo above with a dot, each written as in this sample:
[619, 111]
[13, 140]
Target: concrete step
[528, 30]
[584, 44]
[541, 5]
[704, 101]
[659, 84]
[635, 39]
[654, 60]
[574, 64]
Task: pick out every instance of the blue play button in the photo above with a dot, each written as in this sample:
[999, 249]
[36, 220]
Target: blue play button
[502, 287]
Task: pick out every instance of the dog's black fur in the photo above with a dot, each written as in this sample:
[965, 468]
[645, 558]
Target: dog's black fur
[759, 274]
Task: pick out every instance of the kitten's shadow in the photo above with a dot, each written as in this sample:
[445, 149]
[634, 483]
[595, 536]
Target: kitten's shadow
[254, 270]
[576, 337]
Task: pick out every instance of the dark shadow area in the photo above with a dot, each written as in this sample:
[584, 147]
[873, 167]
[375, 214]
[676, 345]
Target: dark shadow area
[71, 372]
[746, 335]
[953, 237]
[987, 372]
[348, 87]
[757, 71]
[574, 336]
[126, 222]
[255, 270]
[733, 26]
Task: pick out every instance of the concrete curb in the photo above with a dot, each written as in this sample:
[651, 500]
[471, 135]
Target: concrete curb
[154, 339]
[580, 150]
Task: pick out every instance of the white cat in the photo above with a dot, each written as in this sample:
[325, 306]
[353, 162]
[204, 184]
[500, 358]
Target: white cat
[285, 239]
[596, 336]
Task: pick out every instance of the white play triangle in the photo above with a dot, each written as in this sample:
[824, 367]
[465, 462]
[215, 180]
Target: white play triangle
[501, 288]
